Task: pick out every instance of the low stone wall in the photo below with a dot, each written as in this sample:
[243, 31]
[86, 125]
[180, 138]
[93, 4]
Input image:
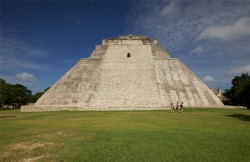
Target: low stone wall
[221, 107]
[35, 108]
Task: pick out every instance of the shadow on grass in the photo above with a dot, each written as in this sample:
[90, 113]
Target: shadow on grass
[7, 116]
[243, 117]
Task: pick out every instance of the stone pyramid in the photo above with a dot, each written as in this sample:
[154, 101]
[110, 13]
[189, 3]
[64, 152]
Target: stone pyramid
[126, 73]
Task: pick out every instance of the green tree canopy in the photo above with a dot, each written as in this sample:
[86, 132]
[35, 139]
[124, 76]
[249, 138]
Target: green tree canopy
[13, 96]
[239, 94]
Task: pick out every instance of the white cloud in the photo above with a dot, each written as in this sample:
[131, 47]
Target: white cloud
[169, 9]
[239, 29]
[184, 21]
[208, 78]
[13, 62]
[179, 29]
[16, 53]
[26, 77]
[75, 20]
[188, 21]
[198, 50]
[244, 69]
[10, 45]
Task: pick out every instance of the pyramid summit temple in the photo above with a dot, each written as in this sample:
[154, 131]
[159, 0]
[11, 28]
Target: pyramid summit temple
[126, 73]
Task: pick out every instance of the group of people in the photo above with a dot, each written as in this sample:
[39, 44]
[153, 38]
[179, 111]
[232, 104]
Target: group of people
[177, 108]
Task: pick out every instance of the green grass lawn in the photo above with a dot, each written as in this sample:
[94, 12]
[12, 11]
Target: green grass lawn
[195, 135]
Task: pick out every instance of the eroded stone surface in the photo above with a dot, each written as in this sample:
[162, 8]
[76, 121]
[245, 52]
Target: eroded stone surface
[126, 73]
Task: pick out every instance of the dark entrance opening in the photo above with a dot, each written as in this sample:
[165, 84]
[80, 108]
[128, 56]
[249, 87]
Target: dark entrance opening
[128, 55]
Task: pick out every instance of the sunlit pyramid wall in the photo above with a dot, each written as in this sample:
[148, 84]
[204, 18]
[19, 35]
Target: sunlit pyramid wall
[126, 73]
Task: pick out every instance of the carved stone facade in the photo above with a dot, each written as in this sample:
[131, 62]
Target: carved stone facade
[126, 73]
[218, 93]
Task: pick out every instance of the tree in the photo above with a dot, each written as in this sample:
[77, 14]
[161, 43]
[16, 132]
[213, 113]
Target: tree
[20, 94]
[239, 94]
[36, 96]
[13, 96]
[227, 95]
[3, 91]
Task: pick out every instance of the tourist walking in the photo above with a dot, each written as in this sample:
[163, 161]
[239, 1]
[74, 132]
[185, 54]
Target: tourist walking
[181, 107]
[172, 107]
[177, 106]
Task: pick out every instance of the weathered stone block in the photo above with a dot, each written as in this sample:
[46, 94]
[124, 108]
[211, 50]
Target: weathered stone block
[126, 73]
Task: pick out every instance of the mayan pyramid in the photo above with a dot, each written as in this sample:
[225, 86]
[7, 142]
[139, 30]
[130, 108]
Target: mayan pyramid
[126, 73]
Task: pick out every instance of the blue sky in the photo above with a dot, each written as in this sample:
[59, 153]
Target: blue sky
[41, 40]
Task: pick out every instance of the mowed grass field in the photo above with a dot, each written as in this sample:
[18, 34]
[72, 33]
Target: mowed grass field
[195, 135]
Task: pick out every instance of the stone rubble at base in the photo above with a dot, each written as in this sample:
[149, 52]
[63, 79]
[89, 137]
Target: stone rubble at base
[126, 73]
